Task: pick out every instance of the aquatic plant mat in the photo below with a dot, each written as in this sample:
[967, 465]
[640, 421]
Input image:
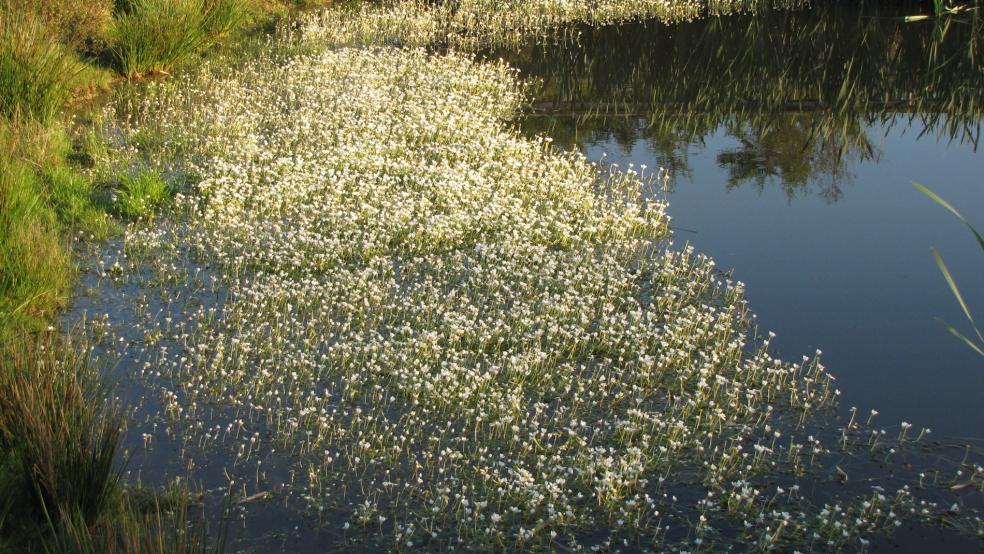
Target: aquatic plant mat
[384, 318]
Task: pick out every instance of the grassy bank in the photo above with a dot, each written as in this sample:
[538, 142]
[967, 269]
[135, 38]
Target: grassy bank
[59, 434]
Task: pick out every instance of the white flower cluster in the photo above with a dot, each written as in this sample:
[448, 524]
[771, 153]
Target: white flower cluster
[473, 24]
[481, 339]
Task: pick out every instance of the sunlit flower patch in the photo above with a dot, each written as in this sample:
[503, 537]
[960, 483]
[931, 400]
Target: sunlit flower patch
[445, 334]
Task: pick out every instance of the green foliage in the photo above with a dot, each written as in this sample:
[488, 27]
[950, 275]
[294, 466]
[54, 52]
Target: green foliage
[37, 74]
[976, 342]
[157, 35]
[41, 196]
[34, 266]
[71, 195]
[140, 195]
[226, 16]
[81, 26]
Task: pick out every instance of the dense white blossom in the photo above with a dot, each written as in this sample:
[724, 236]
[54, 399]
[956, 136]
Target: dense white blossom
[493, 339]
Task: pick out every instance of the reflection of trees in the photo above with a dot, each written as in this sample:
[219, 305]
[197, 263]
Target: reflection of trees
[796, 89]
[790, 153]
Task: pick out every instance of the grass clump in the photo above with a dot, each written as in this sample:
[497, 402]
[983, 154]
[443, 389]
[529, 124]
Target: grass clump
[156, 35]
[79, 25]
[37, 74]
[147, 522]
[140, 195]
[58, 436]
[60, 472]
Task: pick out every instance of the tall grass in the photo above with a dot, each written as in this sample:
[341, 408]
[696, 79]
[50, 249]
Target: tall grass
[41, 197]
[37, 74]
[156, 35]
[81, 26]
[34, 265]
[156, 525]
[60, 488]
[58, 434]
[60, 472]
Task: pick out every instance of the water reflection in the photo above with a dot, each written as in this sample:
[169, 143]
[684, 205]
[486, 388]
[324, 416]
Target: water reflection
[800, 91]
[792, 138]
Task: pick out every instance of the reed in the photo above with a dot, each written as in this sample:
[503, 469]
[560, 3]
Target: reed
[976, 340]
[58, 433]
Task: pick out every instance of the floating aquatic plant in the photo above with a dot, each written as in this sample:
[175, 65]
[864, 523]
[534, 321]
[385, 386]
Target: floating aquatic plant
[383, 302]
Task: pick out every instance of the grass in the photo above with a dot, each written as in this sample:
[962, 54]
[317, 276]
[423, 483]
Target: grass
[42, 197]
[147, 522]
[58, 434]
[975, 342]
[80, 26]
[140, 195]
[60, 487]
[156, 35]
[34, 265]
[60, 468]
[37, 74]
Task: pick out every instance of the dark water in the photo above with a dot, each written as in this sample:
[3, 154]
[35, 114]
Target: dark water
[792, 139]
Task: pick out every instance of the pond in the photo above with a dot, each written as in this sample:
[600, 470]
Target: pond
[792, 140]
[343, 347]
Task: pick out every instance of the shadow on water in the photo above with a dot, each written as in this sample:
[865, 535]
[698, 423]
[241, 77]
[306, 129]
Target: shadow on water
[799, 90]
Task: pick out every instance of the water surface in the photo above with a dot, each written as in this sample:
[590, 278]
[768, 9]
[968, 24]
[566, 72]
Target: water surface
[792, 139]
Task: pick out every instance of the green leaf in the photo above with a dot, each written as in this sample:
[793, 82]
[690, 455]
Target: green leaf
[933, 196]
[936, 198]
[960, 336]
[953, 284]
